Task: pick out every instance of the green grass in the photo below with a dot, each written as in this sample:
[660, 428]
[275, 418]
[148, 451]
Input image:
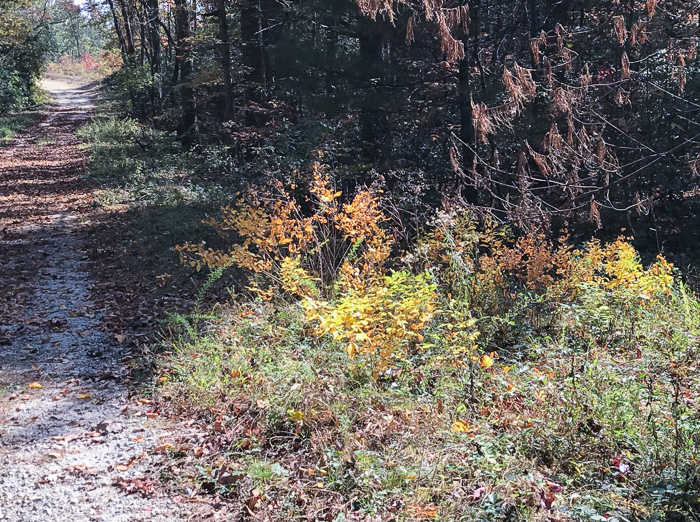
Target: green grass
[12, 123]
[598, 431]
[141, 166]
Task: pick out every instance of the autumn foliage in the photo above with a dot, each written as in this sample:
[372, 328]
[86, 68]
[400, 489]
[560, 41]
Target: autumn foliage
[332, 258]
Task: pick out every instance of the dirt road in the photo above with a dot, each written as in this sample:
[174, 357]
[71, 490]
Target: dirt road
[76, 442]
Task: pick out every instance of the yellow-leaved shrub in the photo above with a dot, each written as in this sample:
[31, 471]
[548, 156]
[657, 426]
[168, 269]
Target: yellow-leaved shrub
[458, 288]
[378, 319]
[333, 258]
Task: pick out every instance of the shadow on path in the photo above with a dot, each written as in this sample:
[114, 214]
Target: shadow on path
[69, 429]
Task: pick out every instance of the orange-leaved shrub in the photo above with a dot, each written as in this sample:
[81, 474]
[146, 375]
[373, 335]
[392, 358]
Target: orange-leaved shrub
[500, 282]
[464, 290]
[333, 258]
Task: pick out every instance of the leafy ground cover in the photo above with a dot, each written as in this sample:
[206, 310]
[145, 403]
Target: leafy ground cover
[148, 197]
[13, 121]
[10, 124]
[478, 375]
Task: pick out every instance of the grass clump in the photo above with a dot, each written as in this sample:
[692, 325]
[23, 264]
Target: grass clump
[143, 166]
[481, 377]
[11, 123]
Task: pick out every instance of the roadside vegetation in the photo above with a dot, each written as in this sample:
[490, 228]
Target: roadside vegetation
[333, 369]
[475, 375]
[475, 372]
[10, 124]
[409, 260]
[14, 120]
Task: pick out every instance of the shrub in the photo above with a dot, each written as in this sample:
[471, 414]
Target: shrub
[376, 312]
[88, 66]
[514, 378]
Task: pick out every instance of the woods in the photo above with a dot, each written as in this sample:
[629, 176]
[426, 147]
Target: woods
[530, 110]
[376, 259]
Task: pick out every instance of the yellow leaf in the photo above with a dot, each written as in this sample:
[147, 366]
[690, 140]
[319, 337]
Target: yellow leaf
[84, 396]
[36, 386]
[485, 362]
[121, 337]
[296, 415]
[460, 427]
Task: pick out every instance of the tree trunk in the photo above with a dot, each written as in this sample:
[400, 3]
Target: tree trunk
[153, 22]
[128, 35]
[466, 124]
[118, 29]
[253, 51]
[183, 57]
[374, 124]
[225, 58]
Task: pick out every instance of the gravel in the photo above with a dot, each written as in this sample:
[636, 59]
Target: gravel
[73, 436]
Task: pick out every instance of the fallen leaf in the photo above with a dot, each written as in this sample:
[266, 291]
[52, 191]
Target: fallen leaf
[478, 492]
[83, 396]
[36, 386]
[77, 469]
[138, 485]
[121, 337]
[227, 479]
[429, 511]
[461, 427]
[253, 500]
[486, 361]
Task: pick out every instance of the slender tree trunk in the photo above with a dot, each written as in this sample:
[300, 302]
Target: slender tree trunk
[253, 54]
[152, 27]
[118, 29]
[183, 55]
[374, 125]
[466, 123]
[153, 21]
[128, 35]
[534, 18]
[225, 57]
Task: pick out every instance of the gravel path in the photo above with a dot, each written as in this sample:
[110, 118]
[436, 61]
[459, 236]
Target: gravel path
[73, 439]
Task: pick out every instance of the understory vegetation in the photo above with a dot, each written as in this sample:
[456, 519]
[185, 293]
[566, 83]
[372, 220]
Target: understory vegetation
[339, 366]
[477, 376]
[10, 124]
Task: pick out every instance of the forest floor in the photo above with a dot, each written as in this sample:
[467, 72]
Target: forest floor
[77, 437]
